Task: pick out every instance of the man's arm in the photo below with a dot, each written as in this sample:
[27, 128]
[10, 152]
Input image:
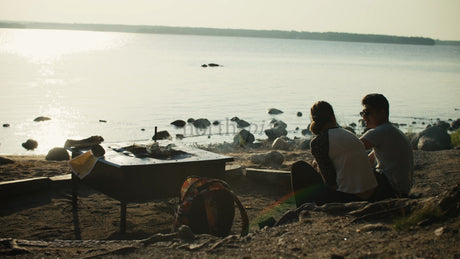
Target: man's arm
[371, 157]
[367, 143]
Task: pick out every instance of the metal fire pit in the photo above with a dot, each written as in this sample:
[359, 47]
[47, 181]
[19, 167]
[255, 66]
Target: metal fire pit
[130, 176]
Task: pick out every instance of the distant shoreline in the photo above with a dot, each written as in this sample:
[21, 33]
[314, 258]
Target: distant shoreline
[325, 36]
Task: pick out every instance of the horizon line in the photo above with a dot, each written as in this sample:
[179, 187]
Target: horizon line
[213, 28]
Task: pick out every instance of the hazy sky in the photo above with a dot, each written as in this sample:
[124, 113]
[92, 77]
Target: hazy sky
[438, 19]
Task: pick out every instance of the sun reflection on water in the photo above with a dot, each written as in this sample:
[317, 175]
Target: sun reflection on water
[50, 56]
[48, 46]
[51, 133]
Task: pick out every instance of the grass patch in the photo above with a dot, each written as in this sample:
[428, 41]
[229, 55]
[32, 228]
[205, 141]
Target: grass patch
[427, 213]
[455, 138]
[273, 212]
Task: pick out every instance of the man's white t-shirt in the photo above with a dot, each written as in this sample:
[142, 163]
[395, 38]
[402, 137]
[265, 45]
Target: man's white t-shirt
[393, 153]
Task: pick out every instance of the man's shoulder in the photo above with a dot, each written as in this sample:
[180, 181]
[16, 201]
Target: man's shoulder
[383, 128]
[378, 132]
[385, 132]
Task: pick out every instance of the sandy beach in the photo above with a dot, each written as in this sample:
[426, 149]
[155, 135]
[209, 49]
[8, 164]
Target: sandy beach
[41, 224]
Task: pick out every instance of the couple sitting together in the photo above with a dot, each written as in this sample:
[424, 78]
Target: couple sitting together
[342, 170]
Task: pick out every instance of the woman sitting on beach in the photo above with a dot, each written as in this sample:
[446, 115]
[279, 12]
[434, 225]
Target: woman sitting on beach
[341, 171]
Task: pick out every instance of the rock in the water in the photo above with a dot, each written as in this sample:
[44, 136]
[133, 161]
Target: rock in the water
[5, 161]
[162, 135]
[243, 138]
[281, 143]
[103, 121]
[42, 118]
[30, 144]
[180, 136]
[306, 132]
[272, 158]
[299, 114]
[204, 65]
[276, 132]
[6, 125]
[431, 139]
[57, 154]
[274, 111]
[201, 123]
[216, 123]
[178, 123]
[242, 124]
[213, 65]
[82, 143]
[190, 120]
[278, 123]
[278, 129]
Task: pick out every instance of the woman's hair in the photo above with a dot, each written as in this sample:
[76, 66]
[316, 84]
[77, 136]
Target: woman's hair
[321, 113]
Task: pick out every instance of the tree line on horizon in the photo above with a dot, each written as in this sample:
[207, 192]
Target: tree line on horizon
[326, 36]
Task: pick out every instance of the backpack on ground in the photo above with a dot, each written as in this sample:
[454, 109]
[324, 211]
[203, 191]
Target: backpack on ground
[208, 206]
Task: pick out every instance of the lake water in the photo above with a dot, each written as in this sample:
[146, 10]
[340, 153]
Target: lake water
[139, 81]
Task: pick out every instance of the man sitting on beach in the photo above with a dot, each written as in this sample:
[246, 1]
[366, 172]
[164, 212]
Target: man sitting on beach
[392, 151]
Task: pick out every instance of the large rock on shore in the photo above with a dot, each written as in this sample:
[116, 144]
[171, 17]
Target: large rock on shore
[57, 154]
[443, 124]
[243, 138]
[274, 133]
[282, 143]
[272, 158]
[304, 144]
[431, 139]
[455, 125]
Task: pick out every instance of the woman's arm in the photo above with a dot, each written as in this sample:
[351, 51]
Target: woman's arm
[320, 150]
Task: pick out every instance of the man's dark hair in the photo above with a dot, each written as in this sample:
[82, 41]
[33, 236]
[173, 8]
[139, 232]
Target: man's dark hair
[377, 101]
